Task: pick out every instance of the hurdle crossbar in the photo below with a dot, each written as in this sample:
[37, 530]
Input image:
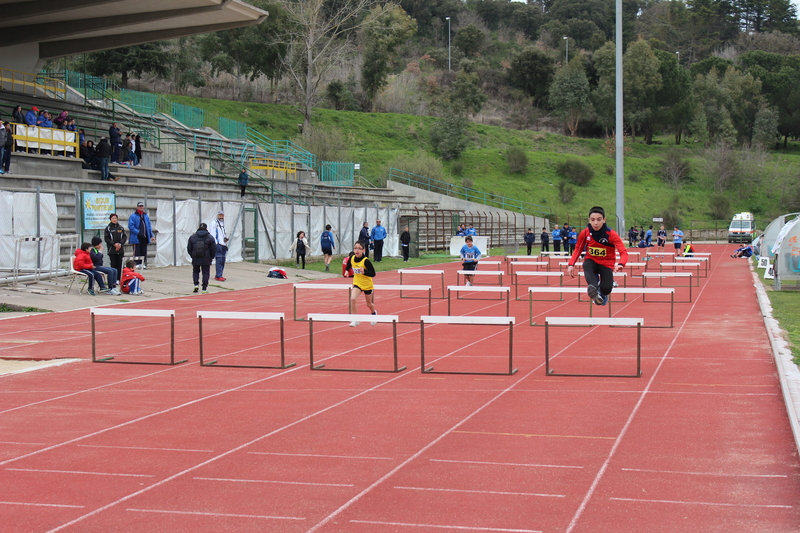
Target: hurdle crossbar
[675, 266]
[409, 271]
[704, 261]
[661, 276]
[318, 286]
[597, 321]
[460, 288]
[115, 311]
[498, 264]
[525, 274]
[554, 290]
[644, 291]
[515, 265]
[234, 315]
[498, 273]
[377, 319]
[469, 321]
[402, 288]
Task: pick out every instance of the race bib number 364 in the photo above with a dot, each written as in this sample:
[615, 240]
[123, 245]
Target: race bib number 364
[597, 252]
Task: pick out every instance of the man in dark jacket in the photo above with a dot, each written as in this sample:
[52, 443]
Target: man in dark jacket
[364, 236]
[530, 239]
[115, 238]
[405, 242]
[6, 163]
[115, 135]
[104, 153]
[202, 250]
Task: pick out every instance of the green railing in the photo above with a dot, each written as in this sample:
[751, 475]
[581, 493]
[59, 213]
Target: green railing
[457, 191]
[285, 148]
[191, 117]
[336, 173]
[232, 129]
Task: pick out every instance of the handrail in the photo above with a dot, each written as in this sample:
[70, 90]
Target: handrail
[27, 83]
[301, 155]
[457, 191]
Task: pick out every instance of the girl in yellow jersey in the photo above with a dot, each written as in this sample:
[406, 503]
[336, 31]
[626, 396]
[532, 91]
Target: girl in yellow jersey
[363, 272]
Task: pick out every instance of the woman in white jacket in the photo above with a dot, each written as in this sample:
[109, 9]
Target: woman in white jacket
[300, 248]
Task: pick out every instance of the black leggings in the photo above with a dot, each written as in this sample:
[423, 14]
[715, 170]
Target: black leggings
[301, 257]
[592, 270]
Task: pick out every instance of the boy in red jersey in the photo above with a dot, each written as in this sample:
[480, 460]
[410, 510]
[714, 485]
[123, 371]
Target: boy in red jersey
[600, 262]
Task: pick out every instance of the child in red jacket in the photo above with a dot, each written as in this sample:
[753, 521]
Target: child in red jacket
[131, 282]
[83, 263]
[600, 262]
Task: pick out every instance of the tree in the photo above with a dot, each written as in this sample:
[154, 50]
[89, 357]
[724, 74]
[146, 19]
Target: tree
[532, 71]
[466, 93]
[319, 36]
[187, 66]
[449, 134]
[469, 40]
[569, 93]
[386, 27]
[603, 97]
[642, 83]
[130, 60]
[673, 102]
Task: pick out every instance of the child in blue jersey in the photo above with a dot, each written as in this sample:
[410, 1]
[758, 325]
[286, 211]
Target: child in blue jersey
[470, 255]
[662, 238]
[677, 238]
[573, 239]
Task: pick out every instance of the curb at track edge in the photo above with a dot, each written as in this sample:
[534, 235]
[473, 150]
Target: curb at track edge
[788, 372]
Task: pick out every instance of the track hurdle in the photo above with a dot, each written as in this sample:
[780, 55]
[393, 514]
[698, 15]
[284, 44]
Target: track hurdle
[661, 276]
[704, 261]
[577, 321]
[515, 266]
[702, 254]
[469, 321]
[484, 273]
[497, 264]
[155, 313]
[554, 290]
[377, 319]
[225, 315]
[321, 287]
[460, 288]
[410, 271]
[675, 266]
[644, 291]
[534, 275]
[401, 288]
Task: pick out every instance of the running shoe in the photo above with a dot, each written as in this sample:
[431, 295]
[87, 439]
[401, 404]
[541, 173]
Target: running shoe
[205, 291]
[605, 299]
[196, 289]
[90, 291]
[595, 295]
[373, 323]
[353, 324]
[468, 283]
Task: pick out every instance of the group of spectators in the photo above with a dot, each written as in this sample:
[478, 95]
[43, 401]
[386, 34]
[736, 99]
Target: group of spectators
[112, 150]
[463, 231]
[44, 119]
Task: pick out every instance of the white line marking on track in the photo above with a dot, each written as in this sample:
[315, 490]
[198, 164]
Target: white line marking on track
[217, 514]
[714, 504]
[25, 443]
[468, 528]
[485, 492]
[143, 448]
[699, 473]
[77, 472]
[279, 482]
[532, 465]
[43, 505]
[325, 456]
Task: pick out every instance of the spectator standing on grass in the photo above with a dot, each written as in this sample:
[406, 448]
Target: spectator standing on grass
[243, 179]
[83, 263]
[377, 235]
[405, 242]
[677, 238]
[327, 244]
[363, 272]
[115, 238]
[470, 255]
[131, 282]
[141, 233]
[662, 238]
[364, 236]
[299, 249]
[221, 238]
[600, 262]
[96, 253]
[556, 239]
[545, 237]
[202, 248]
[648, 237]
[572, 239]
[530, 239]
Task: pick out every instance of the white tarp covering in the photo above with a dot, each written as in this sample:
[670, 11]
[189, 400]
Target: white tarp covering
[283, 229]
[19, 220]
[266, 231]
[317, 226]
[43, 134]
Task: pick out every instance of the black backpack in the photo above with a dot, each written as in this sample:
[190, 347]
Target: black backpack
[200, 248]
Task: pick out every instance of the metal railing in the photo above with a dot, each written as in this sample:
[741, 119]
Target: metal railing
[33, 84]
[457, 191]
[336, 173]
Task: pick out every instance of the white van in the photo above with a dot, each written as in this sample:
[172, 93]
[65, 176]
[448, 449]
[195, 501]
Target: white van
[742, 228]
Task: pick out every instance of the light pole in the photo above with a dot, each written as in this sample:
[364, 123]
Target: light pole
[566, 40]
[448, 44]
[679, 57]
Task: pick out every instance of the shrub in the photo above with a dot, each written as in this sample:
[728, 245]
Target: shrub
[634, 177]
[449, 135]
[328, 144]
[467, 183]
[517, 160]
[566, 191]
[610, 170]
[457, 168]
[672, 214]
[720, 206]
[575, 171]
[420, 163]
[674, 168]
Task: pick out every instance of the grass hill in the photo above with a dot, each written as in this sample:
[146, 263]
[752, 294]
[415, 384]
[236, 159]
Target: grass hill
[766, 186]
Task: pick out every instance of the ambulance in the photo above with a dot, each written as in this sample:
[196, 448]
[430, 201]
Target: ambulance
[742, 228]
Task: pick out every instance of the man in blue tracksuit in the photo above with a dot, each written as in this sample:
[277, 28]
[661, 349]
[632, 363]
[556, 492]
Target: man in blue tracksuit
[556, 239]
[377, 235]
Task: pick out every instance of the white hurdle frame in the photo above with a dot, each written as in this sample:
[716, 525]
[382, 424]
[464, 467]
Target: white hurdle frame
[378, 319]
[319, 286]
[460, 273]
[469, 321]
[582, 321]
[156, 313]
[662, 275]
[409, 271]
[234, 315]
[462, 288]
[705, 261]
[675, 266]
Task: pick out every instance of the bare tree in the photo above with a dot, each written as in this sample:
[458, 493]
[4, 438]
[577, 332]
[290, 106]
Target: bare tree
[319, 38]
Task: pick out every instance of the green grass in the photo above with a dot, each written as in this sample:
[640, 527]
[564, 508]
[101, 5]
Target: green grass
[10, 308]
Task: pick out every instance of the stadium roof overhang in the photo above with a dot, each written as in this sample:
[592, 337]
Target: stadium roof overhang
[33, 31]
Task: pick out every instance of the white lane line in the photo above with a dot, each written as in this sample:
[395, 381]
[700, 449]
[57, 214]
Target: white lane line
[231, 515]
[24, 443]
[713, 504]
[43, 505]
[485, 492]
[718, 474]
[467, 528]
[76, 472]
[143, 448]
[278, 482]
[532, 465]
[324, 456]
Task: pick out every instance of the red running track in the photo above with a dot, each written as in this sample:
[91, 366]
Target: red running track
[699, 443]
